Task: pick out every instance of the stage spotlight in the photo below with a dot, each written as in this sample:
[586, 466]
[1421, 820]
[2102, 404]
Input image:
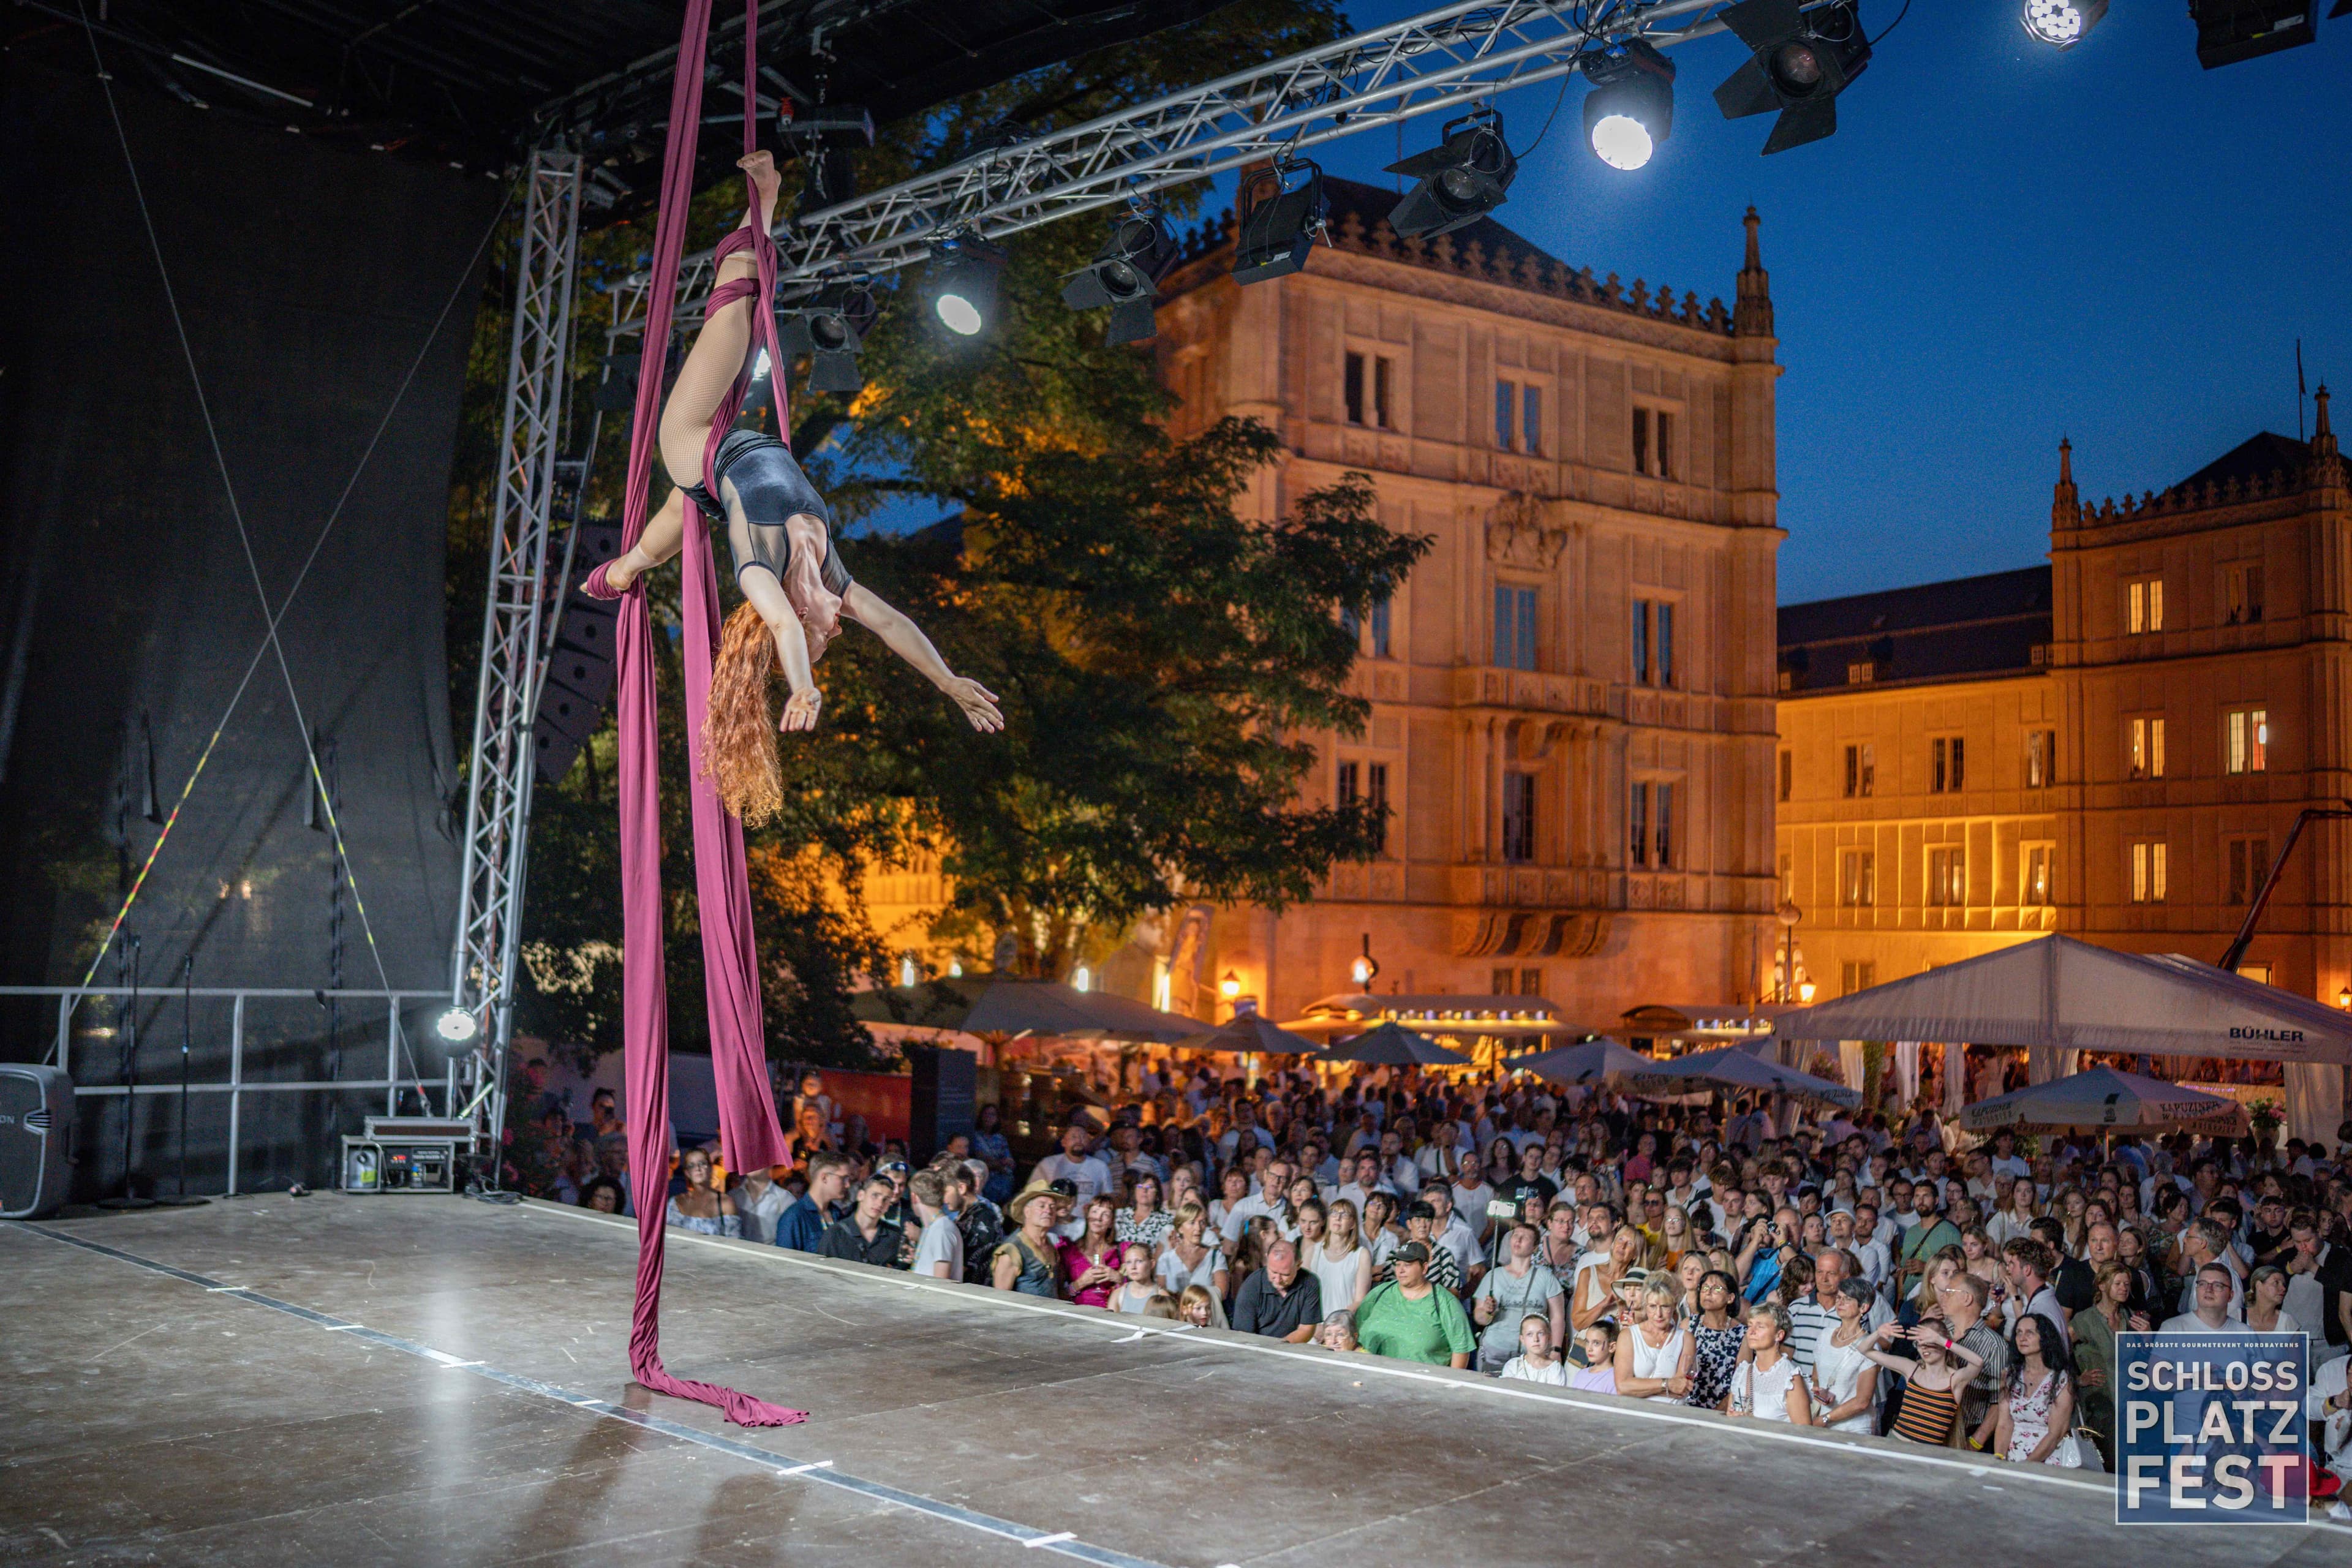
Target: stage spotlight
[1801, 61]
[964, 274]
[457, 1025]
[828, 327]
[1125, 275]
[1463, 178]
[2062, 24]
[1630, 108]
[1279, 220]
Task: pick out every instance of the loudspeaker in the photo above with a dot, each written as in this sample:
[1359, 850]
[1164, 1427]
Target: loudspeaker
[940, 1101]
[37, 1126]
[579, 671]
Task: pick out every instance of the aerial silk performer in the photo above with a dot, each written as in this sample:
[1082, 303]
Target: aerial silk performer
[796, 593]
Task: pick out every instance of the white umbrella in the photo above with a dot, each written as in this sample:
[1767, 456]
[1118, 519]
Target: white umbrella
[2105, 1100]
[1250, 1032]
[1594, 1061]
[1393, 1045]
[1736, 1066]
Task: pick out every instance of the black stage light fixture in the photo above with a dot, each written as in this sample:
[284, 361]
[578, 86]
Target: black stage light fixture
[828, 327]
[964, 275]
[1279, 220]
[827, 136]
[1125, 275]
[1630, 108]
[1801, 61]
[1463, 178]
[2062, 24]
[2229, 31]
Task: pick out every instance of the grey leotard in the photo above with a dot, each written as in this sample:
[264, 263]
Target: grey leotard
[771, 488]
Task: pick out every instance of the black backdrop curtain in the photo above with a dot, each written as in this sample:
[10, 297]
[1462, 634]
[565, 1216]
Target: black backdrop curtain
[309, 278]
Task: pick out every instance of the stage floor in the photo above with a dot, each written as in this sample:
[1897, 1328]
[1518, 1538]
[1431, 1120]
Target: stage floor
[408, 1380]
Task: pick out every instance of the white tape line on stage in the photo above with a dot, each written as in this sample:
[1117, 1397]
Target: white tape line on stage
[1879, 1450]
[821, 1472]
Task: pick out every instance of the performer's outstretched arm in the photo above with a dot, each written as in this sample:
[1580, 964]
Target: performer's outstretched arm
[907, 641]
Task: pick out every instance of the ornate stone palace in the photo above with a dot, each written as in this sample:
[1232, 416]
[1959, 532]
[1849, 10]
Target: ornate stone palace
[2115, 745]
[1573, 697]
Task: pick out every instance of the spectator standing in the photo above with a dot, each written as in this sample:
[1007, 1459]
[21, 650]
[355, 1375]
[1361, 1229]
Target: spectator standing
[864, 1235]
[1143, 1221]
[1410, 1318]
[1137, 1289]
[1769, 1384]
[1716, 1339]
[1190, 1257]
[2212, 1291]
[801, 1227]
[982, 1222]
[702, 1208]
[1084, 1170]
[1029, 1261]
[2033, 1423]
[1339, 1261]
[1091, 1263]
[2025, 1265]
[1656, 1354]
[1845, 1380]
[989, 1142]
[938, 1245]
[1936, 1376]
[1278, 1301]
[2094, 1328]
[1536, 1362]
[1509, 1294]
[759, 1203]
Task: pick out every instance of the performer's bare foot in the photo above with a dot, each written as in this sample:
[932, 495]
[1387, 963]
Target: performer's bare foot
[760, 168]
[624, 570]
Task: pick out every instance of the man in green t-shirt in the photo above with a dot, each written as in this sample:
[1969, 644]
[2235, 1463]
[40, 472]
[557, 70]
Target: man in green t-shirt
[1410, 1319]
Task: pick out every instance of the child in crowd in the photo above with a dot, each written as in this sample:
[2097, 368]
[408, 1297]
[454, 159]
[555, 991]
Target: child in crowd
[1536, 1362]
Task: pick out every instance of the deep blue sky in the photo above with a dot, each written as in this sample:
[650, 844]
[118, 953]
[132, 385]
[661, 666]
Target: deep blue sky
[2002, 244]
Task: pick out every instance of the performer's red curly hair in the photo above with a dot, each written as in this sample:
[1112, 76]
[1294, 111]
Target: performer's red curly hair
[739, 735]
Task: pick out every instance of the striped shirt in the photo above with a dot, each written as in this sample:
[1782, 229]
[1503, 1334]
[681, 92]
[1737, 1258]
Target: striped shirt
[1809, 1320]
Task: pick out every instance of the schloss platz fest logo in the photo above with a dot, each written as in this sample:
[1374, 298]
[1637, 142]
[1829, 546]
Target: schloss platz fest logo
[2210, 1428]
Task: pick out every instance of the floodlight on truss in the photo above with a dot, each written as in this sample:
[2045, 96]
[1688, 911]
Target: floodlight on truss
[1124, 275]
[1461, 179]
[1630, 108]
[828, 327]
[2061, 24]
[1801, 61]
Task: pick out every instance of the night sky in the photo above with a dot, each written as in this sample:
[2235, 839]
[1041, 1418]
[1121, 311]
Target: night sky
[2002, 244]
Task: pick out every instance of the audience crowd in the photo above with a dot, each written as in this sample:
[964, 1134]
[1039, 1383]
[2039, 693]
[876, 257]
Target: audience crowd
[1873, 1274]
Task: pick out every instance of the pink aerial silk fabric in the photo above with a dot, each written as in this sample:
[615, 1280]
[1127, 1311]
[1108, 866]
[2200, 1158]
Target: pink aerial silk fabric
[747, 1111]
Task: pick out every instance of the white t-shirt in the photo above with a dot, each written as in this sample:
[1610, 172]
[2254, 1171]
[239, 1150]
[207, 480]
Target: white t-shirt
[942, 1243]
[1519, 1367]
[1174, 1278]
[759, 1216]
[2190, 1323]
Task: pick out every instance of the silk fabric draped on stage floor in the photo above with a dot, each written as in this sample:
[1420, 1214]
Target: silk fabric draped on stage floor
[394, 1379]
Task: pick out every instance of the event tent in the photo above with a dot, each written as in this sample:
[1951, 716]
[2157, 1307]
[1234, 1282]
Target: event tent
[1594, 1061]
[1392, 1044]
[1250, 1032]
[2058, 996]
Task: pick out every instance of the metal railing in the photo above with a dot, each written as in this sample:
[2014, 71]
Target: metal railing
[237, 1086]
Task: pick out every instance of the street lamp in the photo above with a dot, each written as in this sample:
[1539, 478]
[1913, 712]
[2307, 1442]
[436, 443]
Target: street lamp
[1229, 986]
[1364, 968]
[1790, 916]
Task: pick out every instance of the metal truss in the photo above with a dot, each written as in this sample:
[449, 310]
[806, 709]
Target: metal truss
[515, 626]
[1440, 61]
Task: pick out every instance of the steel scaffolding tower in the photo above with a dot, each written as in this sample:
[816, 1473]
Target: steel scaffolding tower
[516, 627]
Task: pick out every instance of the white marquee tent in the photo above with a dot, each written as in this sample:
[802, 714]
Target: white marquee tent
[2058, 998]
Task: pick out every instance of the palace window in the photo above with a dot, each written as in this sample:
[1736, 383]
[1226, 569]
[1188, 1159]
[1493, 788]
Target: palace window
[1367, 780]
[1861, 771]
[2040, 759]
[2144, 605]
[1506, 413]
[2247, 741]
[1654, 642]
[2249, 862]
[1519, 816]
[1380, 628]
[1531, 421]
[2146, 743]
[2147, 871]
[1946, 765]
[1788, 772]
[1637, 824]
[1857, 879]
[2035, 893]
[1515, 627]
[1858, 975]
[1653, 442]
[1947, 877]
[1368, 380]
[2242, 593]
[1662, 828]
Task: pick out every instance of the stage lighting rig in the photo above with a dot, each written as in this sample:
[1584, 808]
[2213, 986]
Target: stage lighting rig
[2229, 31]
[2062, 24]
[1801, 61]
[828, 327]
[1630, 108]
[1124, 275]
[457, 1025]
[826, 137]
[1279, 220]
[965, 275]
[1463, 178]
